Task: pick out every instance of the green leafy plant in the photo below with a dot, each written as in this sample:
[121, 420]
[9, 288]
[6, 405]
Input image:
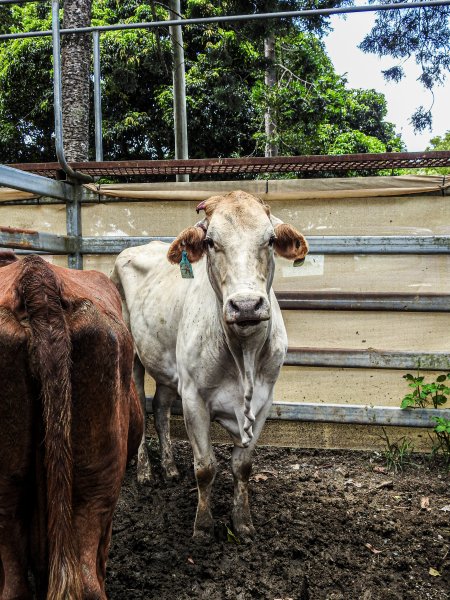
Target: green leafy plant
[231, 537]
[397, 454]
[426, 394]
[433, 394]
[442, 444]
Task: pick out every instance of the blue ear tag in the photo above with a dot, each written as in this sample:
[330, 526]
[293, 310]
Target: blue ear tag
[299, 262]
[186, 267]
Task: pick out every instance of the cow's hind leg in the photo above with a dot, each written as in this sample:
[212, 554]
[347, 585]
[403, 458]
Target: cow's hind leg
[197, 421]
[16, 497]
[144, 469]
[100, 424]
[13, 561]
[162, 403]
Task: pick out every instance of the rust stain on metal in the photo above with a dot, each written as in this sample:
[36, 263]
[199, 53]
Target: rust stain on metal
[18, 230]
[279, 164]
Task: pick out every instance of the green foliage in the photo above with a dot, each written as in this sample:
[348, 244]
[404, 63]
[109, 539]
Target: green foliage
[442, 433]
[439, 143]
[315, 111]
[397, 454]
[231, 537]
[426, 394]
[419, 33]
[433, 394]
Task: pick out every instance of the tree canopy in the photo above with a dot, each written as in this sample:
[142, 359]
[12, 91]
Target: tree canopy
[422, 34]
[439, 143]
[316, 112]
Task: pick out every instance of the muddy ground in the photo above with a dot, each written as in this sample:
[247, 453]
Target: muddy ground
[331, 525]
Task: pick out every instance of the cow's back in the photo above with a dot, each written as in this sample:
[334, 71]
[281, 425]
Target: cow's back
[157, 299]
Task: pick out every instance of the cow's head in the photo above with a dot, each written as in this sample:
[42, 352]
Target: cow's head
[239, 237]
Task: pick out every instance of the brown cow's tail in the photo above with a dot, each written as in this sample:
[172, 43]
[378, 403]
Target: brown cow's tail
[50, 358]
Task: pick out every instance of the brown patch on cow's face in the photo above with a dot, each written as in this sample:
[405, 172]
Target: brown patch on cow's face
[290, 243]
[192, 241]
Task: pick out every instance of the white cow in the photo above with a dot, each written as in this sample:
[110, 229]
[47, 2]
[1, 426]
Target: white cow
[217, 340]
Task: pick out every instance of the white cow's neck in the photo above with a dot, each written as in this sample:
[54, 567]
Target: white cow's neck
[246, 351]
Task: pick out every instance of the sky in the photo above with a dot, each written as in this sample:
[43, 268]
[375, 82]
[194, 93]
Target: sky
[364, 71]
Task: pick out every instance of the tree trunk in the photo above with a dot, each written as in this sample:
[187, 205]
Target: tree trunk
[270, 79]
[179, 87]
[75, 59]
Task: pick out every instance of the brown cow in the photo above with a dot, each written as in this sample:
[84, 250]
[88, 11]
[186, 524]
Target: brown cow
[69, 420]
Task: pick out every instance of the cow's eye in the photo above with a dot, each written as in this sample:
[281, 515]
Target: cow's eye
[209, 242]
[271, 240]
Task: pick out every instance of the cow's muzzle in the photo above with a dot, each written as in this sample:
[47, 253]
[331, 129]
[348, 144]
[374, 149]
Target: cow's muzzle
[246, 310]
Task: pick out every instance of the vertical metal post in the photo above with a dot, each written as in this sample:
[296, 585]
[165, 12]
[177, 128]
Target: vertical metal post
[270, 80]
[73, 225]
[97, 98]
[179, 87]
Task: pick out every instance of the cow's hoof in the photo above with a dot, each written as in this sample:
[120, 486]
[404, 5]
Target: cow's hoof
[171, 472]
[245, 532]
[144, 479]
[144, 474]
[144, 469]
[204, 527]
[203, 535]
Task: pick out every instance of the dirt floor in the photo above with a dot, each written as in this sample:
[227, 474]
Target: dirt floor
[331, 525]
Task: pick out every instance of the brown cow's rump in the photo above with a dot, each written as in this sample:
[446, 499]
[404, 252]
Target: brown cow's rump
[69, 418]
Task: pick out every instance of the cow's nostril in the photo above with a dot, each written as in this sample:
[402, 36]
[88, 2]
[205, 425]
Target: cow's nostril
[234, 306]
[259, 304]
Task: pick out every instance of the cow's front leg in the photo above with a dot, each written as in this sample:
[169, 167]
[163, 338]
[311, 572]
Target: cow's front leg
[144, 469]
[197, 421]
[241, 466]
[162, 403]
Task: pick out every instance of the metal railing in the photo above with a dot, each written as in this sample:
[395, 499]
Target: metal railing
[75, 245]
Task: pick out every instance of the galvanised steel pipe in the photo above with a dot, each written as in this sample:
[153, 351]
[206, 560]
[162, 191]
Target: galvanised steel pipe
[20, 1]
[97, 98]
[353, 414]
[35, 184]
[296, 14]
[317, 244]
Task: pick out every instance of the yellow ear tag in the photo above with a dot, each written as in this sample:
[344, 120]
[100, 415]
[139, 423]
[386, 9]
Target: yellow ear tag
[186, 267]
[299, 262]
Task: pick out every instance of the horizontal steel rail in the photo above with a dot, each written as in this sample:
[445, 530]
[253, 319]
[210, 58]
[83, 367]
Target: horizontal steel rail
[292, 14]
[35, 184]
[398, 244]
[367, 358]
[25, 239]
[21, 1]
[354, 414]
[318, 244]
[364, 301]
[115, 245]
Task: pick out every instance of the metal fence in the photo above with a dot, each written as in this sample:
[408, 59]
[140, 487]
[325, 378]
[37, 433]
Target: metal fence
[71, 192]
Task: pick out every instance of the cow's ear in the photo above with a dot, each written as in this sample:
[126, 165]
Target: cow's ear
[192, 241]
[7, 257]
[289, 243]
